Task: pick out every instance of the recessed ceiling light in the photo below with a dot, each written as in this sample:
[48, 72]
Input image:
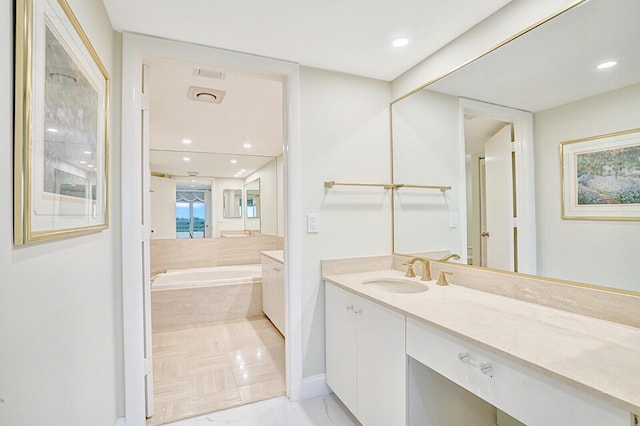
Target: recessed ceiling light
[186, 141]
[193, 186]
[83, 162]
[246, 145]
[234, 161]
[400, 42]
[88, 152]
[193, 181]
[606, 65]
[52, 130]
[243, 170]
[186, 159]
[91, 166]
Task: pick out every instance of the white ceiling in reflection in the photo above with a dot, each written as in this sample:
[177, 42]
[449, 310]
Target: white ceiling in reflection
[556, 64]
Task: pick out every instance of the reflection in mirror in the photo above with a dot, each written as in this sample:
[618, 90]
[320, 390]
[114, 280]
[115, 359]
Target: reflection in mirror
[225, 184]
[551, 72]
[232, 203]
[252, 197]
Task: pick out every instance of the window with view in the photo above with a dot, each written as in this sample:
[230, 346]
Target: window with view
[190, 214]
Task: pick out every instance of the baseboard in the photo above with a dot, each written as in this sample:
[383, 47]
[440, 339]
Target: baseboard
[314, 386]
[121, 422]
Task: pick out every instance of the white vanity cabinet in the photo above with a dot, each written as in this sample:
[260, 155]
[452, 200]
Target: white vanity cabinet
[521, 392]
[273, 303]
[365, 357]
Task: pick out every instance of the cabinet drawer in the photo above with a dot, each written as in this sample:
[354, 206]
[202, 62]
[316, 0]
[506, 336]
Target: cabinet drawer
[521, 392]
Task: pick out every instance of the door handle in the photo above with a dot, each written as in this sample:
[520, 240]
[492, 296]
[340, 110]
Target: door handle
[484, 234]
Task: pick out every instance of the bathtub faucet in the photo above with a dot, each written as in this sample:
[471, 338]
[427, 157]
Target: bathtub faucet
[154, 273]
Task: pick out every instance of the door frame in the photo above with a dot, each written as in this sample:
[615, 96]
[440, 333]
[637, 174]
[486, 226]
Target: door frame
[135, 48]
[524, 180]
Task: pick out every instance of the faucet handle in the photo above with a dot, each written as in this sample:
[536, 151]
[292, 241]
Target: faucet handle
[442, 279]
[410, 272]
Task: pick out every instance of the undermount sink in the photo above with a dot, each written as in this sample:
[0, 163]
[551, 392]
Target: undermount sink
[395, 285]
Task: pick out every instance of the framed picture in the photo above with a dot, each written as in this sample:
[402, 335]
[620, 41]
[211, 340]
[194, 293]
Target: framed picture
[61, 126]
[601, 177]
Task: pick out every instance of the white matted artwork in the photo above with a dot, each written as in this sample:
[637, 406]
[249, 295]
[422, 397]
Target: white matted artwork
[601, 177]
[61, 126]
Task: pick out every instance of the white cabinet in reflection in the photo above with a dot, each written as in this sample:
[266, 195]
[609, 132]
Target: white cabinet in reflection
[365, 357]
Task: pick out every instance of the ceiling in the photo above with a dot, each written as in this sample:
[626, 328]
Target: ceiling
[353, 36]
[251, 112]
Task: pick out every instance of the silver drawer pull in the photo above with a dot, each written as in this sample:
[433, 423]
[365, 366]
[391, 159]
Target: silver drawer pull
[350, 308]
[464, 356]
[486, 368]
[357, 311]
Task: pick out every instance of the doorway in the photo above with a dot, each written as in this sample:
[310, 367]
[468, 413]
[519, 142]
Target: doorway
[136, 49]
[215, 158]
[499, 198]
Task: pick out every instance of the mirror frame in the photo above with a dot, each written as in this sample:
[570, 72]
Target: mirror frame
[224, 202]
[246, 216]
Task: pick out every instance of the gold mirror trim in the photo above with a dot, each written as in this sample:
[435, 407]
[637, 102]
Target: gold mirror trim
[497, 46]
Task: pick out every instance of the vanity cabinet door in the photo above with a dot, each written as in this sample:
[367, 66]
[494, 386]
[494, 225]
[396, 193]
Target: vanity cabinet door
[273, 303]
[340, 333]
[365, 357]
[381, 364]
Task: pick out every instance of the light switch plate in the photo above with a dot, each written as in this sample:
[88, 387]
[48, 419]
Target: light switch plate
[453, 220]
[313, 227]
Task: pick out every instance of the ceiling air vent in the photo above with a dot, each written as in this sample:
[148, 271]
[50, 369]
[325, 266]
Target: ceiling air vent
[202, 72]
[202, 94]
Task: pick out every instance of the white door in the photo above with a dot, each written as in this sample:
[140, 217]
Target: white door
[146, 226]
[499, 201]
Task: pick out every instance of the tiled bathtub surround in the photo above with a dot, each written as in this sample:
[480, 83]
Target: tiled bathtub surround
[190, 306]
[201, 252]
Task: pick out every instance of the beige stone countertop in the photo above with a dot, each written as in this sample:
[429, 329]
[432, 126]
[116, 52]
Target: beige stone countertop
[600, 357]
[277, 255]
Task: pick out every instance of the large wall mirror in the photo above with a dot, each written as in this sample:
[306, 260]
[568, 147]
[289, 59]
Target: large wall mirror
[212, 131]
[492, 131]
[213, 195]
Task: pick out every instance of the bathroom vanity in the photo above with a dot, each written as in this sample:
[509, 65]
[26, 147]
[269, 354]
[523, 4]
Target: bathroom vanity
[273, 294]
[539, 364]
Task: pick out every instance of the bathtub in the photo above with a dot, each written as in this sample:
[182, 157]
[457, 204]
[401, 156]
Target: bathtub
[188, 297]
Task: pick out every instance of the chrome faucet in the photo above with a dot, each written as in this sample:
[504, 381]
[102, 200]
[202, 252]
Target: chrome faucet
[425, 274]
[453, 256]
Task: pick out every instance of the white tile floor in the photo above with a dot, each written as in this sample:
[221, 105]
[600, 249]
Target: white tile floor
[322, 411]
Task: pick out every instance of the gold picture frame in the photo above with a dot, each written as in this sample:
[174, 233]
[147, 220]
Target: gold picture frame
[601, 177]
[61, 142]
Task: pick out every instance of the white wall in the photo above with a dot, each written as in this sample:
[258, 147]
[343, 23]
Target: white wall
[60, 301]
[597, 252]
[426, 145]
[344, 137]
[269, 207]
[163, 208]
[511, 19]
